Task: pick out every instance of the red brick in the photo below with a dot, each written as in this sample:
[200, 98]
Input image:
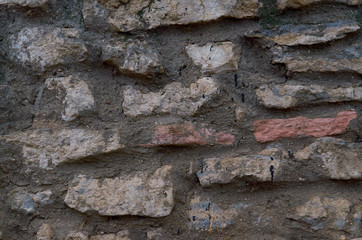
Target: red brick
[187, 134]
[272, 129]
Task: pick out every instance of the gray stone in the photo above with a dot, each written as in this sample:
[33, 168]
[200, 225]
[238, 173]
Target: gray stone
[73, 235]
[215, 57]
[173, 99]
[342, 160]
[43, 198]
[44, 232]
[288, 96]
[254, 168]
[122, 235]
[24, 3]
[283, 4]
[41, 48]
[293, 35]
[137, 194]
[78, 97]
[48, 148]
[22, 200]
[148, 14]
[133, 57]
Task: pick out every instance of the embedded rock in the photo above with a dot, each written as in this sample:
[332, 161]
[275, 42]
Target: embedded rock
[215, 57]
[288, 96]
[24, 3]
[293, 35]
[41, 48]
[48, 148]
[138, 194]
[76, 236]
[44, 232]
[255, 168]
[133, 57]
[22, 200]
[341, 159]
[272, 129]
[147, 14]
[122, 235]
[43, 198]
[78, 97]
[283, 4]
[173, 99]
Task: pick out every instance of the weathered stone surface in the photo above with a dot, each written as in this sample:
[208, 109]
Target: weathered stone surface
[282, 4]
[22, 200]
[350, 60]
[293, 35]
[122, 235]
[133, 57]
[78, 97]
[76, 236]
[257, 168]
[204, 213]
[44, 232]
[324, 212]
[155, 234]
[24, 3]
[215, 57]
[240, 114]
[187, 134]
[147, 14]
[41, 48]
[288, 96]
[48, 148]
[341, 159]
[173, 99]
[138, 194]
[272, 129]
[43, 198]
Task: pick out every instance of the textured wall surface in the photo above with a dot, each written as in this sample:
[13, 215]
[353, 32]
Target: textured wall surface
[180, 119]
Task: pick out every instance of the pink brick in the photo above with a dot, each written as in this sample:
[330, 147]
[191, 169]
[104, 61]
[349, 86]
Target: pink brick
[187, 134]
[272, 129]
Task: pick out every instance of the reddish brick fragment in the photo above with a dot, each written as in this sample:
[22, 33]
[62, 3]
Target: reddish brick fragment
[187, 134]
[272, 129]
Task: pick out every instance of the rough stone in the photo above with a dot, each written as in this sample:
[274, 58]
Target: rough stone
[341, 159]
[122, 235]
[240, 115]
[147, 14]
[293, 35]
[43, 198]
[44, 232]
[349, 60]
[155, 234]
[41, 48]
[22, 200]
[283, 4]
[77, 236]
[288, 96]
[133, 57]
[187, 134]
[173, 99]
[138, 194]
[24, 3]
[324, 212]
[255, 168]
[215, 57]
[78, 97]
[47, 148]
[272, 129]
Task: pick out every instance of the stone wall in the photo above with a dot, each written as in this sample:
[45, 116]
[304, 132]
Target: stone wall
[180, 119]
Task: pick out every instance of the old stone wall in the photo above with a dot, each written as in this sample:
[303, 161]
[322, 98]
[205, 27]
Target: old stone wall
[180, 119]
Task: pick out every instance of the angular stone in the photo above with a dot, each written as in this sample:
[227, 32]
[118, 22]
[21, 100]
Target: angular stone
[24, 3]
[288, 96]
[133, 57]
[41, 48]
[187, 134]
[173, 99]
[76, 236]
[43, 198]
[122, 235]
[254, 168]
[272, 129]
[341, 159]
[78, 97]
[48, 148]
[137, 194]
[44, 232]
[324, 212]
[148, 14]
[293, 35]
[283, 4]
[350, 60]
[22, 200]
[215, 57]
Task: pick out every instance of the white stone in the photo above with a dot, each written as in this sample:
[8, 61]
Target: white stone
[136, 194]
[215, 57]
[78, 97]
[173, 99]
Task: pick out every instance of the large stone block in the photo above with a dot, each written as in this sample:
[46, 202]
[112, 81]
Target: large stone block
[139, 194]
[283, 4]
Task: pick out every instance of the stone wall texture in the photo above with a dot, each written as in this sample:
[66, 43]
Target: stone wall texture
[180, 119]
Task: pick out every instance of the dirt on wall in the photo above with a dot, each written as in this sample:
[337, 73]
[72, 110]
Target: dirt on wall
[180, 119]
